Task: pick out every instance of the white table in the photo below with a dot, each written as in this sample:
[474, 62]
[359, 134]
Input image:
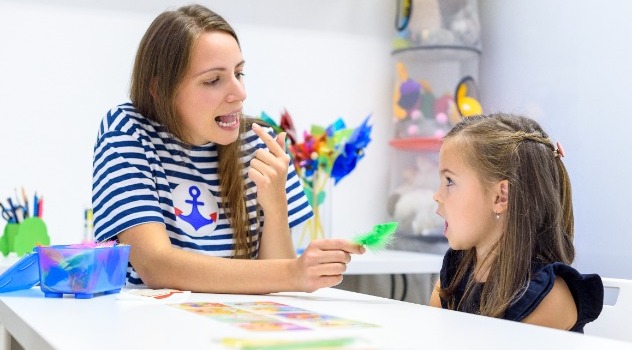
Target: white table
[106, 323]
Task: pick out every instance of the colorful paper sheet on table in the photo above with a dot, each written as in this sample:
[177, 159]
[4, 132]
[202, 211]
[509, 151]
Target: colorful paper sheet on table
[267, 316]
[295, 344]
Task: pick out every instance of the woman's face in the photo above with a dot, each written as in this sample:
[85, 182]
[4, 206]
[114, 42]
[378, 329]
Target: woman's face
[210, 98]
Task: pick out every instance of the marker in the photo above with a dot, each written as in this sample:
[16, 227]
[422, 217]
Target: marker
[40, 207]
[35, 204]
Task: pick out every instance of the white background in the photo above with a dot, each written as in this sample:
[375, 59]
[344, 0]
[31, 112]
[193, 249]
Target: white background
[64, 63]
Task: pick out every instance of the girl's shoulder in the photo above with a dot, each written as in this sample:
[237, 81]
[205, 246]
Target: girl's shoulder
[587, 291]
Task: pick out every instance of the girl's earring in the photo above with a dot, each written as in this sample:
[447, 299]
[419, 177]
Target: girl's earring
[497, 216]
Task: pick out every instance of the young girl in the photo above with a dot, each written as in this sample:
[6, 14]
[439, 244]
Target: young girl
[181, 176]
[505, 196]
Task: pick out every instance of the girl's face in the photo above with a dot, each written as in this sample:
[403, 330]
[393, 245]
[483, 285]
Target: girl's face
[468, 209]
[210, 98]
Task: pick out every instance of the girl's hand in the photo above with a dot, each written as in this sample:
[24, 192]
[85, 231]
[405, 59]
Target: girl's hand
[323, 262]
[269, 170]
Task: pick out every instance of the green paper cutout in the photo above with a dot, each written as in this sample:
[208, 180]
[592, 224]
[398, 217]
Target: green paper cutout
[31, 233]
[380, 237]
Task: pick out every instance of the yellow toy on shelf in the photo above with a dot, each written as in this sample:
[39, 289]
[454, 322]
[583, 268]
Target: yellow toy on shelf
[466, 100]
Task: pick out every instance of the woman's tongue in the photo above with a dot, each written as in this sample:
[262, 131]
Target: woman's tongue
[226, 121]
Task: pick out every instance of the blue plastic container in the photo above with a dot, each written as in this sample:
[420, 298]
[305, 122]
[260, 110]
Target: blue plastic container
[82, 271]
[24, 274]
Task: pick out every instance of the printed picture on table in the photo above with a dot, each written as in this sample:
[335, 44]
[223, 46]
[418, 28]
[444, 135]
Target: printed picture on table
[265, 307]
[264, 316]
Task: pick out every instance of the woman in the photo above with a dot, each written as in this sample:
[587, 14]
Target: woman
[181, 176]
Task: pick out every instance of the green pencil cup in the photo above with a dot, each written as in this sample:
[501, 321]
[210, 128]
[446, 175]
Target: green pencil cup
[22, 237]
[8, 238]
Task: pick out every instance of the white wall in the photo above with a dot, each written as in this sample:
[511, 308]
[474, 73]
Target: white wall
[64, 63]
[567, 63]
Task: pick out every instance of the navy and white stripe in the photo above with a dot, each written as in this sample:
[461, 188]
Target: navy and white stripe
[137, 168]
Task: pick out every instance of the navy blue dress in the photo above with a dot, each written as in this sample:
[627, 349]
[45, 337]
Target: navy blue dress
[587, 290]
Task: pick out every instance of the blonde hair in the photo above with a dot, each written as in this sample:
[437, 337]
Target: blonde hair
[539, 218]
[162, 60]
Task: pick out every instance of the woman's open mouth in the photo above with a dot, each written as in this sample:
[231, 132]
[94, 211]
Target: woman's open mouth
[229, 121]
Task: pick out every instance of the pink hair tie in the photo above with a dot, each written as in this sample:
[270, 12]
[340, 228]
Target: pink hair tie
[559, 151]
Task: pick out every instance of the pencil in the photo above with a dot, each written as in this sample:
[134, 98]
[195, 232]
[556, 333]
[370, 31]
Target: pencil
[26, 203]
[35, 204]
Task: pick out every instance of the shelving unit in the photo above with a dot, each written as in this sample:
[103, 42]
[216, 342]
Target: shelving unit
[424, 110]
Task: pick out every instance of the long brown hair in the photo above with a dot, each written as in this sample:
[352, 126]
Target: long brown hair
[539, 218]
[162, 60]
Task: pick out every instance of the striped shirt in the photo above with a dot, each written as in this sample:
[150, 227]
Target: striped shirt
[142, 173]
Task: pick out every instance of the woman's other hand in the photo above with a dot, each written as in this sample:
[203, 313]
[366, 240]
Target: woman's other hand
[323, 262]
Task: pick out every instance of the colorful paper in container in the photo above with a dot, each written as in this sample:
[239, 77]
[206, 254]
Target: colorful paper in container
[81, 270]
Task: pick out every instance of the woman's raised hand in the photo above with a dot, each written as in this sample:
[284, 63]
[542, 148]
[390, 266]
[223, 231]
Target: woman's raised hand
[269, 170]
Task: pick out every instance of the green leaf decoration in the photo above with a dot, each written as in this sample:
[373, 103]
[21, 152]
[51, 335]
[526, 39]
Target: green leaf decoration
[320, 198]
[379, 238]
[308, 194]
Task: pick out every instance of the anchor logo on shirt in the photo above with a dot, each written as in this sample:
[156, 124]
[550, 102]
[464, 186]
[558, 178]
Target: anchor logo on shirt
[195, 218]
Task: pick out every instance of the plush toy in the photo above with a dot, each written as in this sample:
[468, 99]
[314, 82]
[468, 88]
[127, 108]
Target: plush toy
[411, 203]
[465, 25]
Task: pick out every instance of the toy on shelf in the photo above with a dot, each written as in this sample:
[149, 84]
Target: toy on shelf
[418, 112]
[410, 201]
[436, 51]
[466, 98]
[437, 23]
